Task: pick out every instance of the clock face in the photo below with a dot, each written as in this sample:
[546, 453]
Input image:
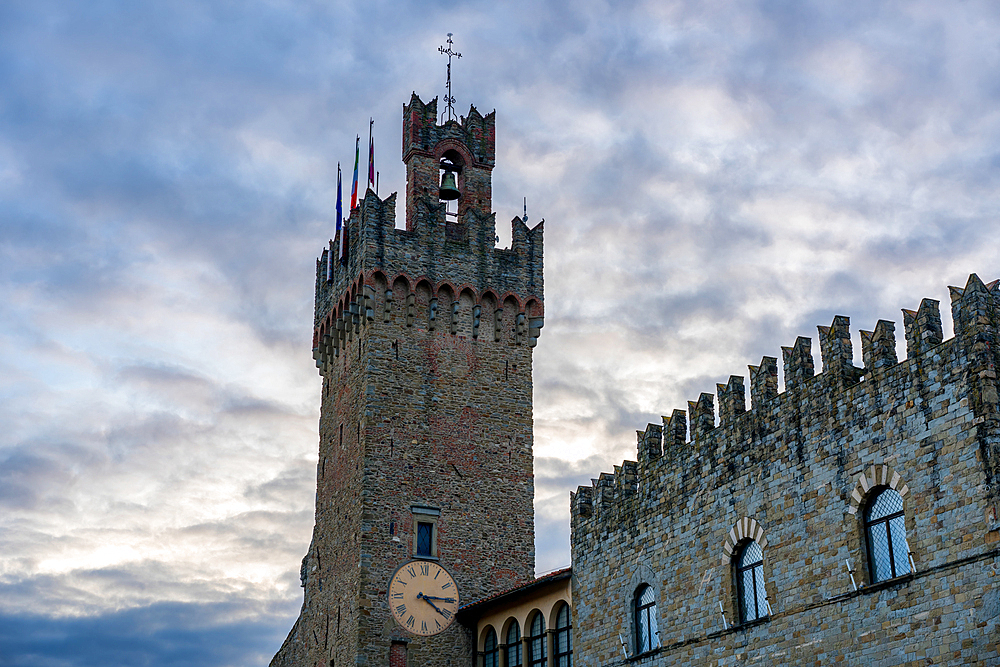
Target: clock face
[423, 597]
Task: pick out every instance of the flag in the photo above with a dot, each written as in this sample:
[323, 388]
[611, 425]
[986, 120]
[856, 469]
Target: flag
[341, 249]
[354, 188]
[371, 155]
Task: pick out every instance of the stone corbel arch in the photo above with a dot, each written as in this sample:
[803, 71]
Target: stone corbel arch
[745, 528]
[876, 475]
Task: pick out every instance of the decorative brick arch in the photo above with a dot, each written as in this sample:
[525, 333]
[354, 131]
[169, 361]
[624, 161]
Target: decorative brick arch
[876, 475]
[745, 528]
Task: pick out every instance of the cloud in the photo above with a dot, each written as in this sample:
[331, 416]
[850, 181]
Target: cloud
[717, 179]
[221, 633]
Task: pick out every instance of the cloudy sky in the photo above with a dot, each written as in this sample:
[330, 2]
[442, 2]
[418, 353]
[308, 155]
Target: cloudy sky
[717, 177]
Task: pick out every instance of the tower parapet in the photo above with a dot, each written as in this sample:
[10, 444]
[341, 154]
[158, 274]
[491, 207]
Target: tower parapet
[456, 254]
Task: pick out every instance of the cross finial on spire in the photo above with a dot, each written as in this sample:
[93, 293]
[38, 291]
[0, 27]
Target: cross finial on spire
[449, 99]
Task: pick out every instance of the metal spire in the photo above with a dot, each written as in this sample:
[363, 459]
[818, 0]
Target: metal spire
[449, 99]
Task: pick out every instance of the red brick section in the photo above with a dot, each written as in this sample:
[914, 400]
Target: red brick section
[424, 340]
[397, 654]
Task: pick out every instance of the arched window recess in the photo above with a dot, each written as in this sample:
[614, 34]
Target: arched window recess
[889, 553]
[750, 590]
[647, 635]
[563, 644]
[450, 170]
[537, 642]
[491, 650]
[512, 648]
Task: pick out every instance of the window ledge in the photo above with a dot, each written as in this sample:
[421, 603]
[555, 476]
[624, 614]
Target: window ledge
[434, 558]
[643, 655]
[887, 583]
[751, 624]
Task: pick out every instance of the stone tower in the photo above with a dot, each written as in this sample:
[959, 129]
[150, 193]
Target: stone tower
[424, 340]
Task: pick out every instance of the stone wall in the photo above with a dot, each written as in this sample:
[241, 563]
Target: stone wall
[795, 472]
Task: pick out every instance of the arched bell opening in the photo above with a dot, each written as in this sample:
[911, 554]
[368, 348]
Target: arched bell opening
[450, 169]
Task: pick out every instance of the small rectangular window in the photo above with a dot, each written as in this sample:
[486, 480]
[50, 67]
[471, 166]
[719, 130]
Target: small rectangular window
[425, 533]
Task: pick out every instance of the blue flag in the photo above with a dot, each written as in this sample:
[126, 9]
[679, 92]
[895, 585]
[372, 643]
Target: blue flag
[340, 213]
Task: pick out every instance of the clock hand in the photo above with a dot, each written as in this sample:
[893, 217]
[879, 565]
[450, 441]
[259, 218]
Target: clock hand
[421, 596]
[432, 597]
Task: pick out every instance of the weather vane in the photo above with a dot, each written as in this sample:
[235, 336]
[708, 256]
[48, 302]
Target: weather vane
[449, 99]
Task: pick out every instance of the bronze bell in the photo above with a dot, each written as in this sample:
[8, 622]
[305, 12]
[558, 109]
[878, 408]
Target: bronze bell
[449, 188]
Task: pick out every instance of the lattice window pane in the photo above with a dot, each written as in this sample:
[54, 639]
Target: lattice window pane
[424, 534]
[897, 533]
[751, 555]
[537, 645]
[537, 625]
[490, 652]
[879, 541]
[562, 619]
[645, 620]
[747, 595]
[654, 641]
[537, 651]
[888, 502]
[643, 634]
[514, 655]
[514, 645]
[761, 592]
[562, 641]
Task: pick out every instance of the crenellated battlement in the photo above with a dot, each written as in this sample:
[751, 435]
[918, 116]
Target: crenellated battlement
[443, 270]
[491, 294]
[692, 443]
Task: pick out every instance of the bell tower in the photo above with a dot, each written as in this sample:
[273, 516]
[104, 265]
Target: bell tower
[465, 149]
[424, 338]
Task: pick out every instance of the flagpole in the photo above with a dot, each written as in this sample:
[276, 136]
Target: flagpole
[341, 230]
[371, 154]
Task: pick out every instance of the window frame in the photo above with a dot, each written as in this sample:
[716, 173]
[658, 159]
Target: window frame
[539, 640]
[644, 611]
[491, 655]
[756, 569]
[423, 514]
[515, 646]
[870, 525]
[563, 658]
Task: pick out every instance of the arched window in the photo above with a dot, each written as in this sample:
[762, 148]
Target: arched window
[888, 553]
[536, 642]
[491, 653]
[514, 645]
[564, 638]
[750, 582]
[645, 620]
